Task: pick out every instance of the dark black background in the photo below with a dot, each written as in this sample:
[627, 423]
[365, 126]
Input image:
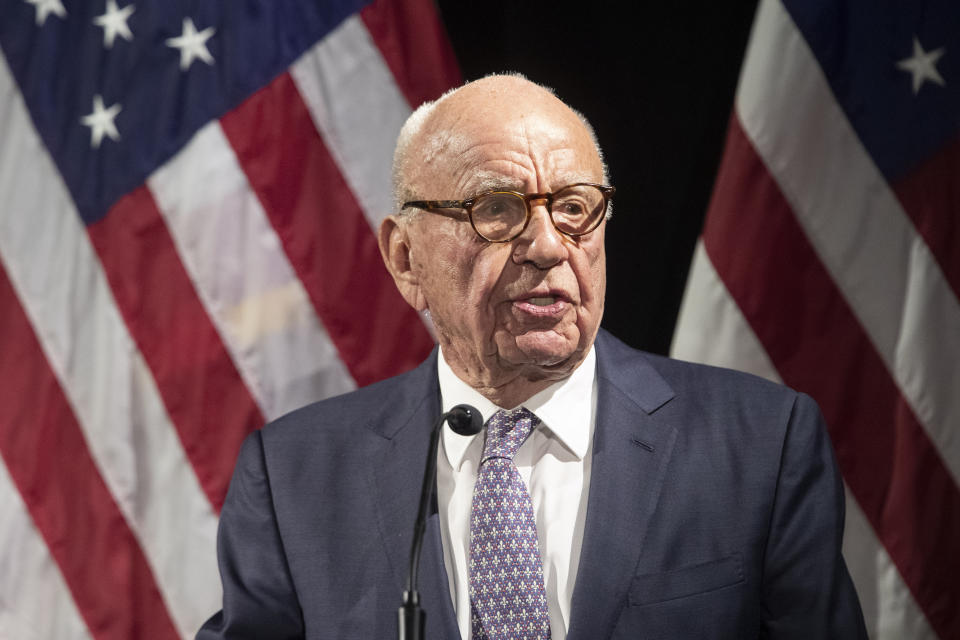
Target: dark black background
[657, 83]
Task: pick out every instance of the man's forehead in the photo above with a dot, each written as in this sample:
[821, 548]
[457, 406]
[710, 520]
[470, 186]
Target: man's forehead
[512, 141]
[468, 170]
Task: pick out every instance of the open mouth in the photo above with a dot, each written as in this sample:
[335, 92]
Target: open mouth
[543, 306]
[542, 301]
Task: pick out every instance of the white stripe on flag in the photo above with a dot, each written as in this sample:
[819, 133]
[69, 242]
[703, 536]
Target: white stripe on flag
[711, 329]
[35, 603]
[242, 275]
[55, 271]
[889, 609]
[357, 108]
[854, 222]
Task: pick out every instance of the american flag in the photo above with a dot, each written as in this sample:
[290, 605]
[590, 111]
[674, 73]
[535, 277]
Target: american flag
[188, 198]
[830, 260]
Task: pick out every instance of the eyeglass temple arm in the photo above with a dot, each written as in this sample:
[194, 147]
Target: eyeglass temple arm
[436, 204]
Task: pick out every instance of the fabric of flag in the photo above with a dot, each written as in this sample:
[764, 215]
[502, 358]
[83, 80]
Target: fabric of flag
[189, 193]
[830, 260]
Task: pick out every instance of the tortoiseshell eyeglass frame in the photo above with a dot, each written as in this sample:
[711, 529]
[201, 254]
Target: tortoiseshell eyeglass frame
[437, 206]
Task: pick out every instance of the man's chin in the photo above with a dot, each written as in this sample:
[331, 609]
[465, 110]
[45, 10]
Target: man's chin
[547, 350]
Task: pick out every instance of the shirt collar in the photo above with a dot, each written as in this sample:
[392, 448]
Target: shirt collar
[566, 408]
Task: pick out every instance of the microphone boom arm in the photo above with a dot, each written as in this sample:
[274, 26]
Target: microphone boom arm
[464, 420]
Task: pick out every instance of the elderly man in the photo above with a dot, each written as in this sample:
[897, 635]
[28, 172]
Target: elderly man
[612, 494]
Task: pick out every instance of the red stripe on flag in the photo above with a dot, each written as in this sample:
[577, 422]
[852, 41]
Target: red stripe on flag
[818, 346]
[44, 449]
[204, 394]
[414, 44]
[324, 233]
[930, 194]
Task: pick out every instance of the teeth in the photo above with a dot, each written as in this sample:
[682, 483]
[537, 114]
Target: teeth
[542, 302]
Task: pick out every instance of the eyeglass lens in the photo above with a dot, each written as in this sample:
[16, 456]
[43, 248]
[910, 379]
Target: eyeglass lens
[501, 216]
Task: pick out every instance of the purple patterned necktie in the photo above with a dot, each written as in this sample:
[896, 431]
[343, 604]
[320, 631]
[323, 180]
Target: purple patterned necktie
[507, 597]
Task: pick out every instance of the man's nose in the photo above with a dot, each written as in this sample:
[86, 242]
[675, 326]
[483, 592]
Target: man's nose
[540, 243]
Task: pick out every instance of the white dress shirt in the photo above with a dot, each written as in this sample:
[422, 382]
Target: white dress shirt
[554, 462]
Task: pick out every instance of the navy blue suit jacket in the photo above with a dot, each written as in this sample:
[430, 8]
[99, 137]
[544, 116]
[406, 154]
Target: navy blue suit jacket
[715, 511]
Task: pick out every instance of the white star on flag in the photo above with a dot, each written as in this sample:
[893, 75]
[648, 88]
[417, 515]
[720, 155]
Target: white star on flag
[101, 122]
[46, 7]
[192, 44]
[922, 64]
[114, 23]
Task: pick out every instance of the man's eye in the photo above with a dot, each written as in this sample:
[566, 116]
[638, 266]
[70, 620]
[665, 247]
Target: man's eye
[570, 208]
[497, 208]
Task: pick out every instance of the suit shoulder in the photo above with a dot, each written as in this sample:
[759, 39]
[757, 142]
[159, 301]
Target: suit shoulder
[707, 404]
[705, 385]
[705, 374]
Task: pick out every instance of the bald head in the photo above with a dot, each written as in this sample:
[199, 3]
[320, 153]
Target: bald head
[444, 134]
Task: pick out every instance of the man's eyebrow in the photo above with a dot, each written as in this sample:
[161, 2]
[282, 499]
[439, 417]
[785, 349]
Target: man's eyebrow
[572, 178]
[497, 182]
[484, 182]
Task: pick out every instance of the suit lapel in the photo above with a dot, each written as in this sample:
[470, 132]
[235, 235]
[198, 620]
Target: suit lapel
[630, 454]
[399, 458]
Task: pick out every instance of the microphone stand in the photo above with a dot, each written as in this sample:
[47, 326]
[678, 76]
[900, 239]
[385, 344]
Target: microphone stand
[464, 420]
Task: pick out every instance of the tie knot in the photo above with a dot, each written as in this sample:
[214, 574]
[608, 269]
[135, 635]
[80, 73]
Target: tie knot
[506, 431]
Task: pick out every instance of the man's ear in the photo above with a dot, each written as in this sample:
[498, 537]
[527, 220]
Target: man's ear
[395, 248]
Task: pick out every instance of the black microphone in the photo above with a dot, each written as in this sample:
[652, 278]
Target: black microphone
[466, 421]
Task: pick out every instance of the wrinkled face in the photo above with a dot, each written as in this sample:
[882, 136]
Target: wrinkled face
[511, 317]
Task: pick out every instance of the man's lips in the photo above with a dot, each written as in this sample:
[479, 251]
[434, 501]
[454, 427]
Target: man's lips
[545, 304]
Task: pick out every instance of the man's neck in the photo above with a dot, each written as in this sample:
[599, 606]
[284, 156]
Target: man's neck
[510, 391]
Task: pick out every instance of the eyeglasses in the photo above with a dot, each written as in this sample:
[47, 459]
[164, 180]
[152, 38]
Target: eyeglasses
[500, 216]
